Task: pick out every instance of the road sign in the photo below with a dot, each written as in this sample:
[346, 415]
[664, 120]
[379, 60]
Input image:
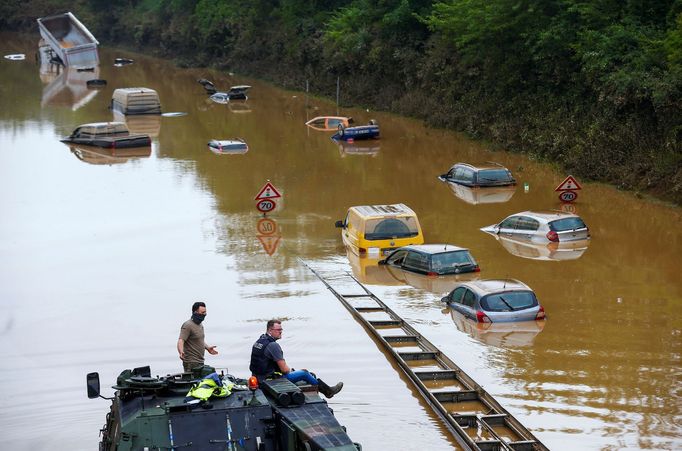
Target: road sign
[266, 205]
[269, 242]
[569, 184]
[266, 226]
[568, 196]
[268, 192]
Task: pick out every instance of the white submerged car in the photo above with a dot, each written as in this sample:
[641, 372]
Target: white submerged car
[541, 227]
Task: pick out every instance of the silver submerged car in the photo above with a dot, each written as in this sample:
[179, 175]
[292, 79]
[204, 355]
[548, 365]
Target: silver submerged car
[541, 227]
[495, 301]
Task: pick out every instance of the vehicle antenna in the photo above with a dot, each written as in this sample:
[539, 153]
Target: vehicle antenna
[504, 287]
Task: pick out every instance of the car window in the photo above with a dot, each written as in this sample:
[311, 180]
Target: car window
[509, 301]
[509, 223]
[334, 123]
[526, 223]
[494, 175]
[449, 261]
[396, 258]
[469, 298]
[467, 175]
[456, 295]
[459, 173]
[355, 222]
[571, 223]
[387, 228]
[416, 261]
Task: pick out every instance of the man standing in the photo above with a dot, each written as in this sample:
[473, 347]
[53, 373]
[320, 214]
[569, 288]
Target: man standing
[191, 344]
[267, 361]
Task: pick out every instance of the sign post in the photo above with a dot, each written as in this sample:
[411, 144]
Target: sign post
[567, 189]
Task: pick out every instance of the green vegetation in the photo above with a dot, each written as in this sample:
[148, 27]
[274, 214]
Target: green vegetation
[594, 85]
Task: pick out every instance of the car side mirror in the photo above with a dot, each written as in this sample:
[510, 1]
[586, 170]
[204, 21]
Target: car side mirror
[445, 299]
[339, 224]
[382, 262]
[93, 385]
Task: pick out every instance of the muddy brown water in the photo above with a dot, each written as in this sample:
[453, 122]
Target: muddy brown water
[102, 255]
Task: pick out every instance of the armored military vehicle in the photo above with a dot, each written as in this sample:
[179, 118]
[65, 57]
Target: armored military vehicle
[172, 413]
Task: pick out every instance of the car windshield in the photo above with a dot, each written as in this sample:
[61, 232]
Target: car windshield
[387, 228]
[494, 175]
[509, 301]
[571, 223]
[449, 262]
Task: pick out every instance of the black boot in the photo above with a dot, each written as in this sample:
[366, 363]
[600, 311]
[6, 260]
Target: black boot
[328, 391]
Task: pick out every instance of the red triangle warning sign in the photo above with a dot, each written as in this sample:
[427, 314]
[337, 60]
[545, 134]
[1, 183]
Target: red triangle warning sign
[268, 192]
[569, 184]
[269, 242]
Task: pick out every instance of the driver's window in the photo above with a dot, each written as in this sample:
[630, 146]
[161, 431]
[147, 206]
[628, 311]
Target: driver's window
[456, 295]
[397, 258]
[509, 223]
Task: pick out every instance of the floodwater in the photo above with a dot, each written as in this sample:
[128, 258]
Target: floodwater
[102, 255]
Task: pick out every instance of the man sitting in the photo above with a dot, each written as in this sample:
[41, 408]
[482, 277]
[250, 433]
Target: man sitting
[267, 361]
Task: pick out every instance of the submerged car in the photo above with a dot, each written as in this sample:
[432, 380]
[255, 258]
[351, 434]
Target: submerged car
[495, 301]
[329, 123]
[432, 259]
[491, 174]
[114, 135]
[228, 146]
[379, 229]
[541, 227]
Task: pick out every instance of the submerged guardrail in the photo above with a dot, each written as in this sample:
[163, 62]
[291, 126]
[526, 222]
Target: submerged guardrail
[474, 418]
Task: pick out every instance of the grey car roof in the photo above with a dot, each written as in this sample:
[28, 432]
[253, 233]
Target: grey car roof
[487, 286]
[481, 167]
[546, 216]
[433, 248]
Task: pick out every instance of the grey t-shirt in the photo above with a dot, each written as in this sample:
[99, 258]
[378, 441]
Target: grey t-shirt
[193, 336]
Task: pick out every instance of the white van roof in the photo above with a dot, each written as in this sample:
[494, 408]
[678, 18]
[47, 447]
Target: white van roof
[382, 211]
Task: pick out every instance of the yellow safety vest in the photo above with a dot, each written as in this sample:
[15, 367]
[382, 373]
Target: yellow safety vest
[206, 388]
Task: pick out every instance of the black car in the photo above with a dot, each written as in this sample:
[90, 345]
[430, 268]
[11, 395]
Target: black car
[432, 259]
[491, 174]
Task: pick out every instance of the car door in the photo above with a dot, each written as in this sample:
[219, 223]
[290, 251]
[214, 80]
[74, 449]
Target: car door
[508, 226]
[461, 299]
[396, 258]
[416, 262]
[469, 304]
[455, 300]
[526, 227]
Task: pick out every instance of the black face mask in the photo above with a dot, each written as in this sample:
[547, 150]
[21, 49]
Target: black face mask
[198, 317]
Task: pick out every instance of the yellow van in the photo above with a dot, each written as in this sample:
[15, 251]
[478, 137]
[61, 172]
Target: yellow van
[377, 229]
